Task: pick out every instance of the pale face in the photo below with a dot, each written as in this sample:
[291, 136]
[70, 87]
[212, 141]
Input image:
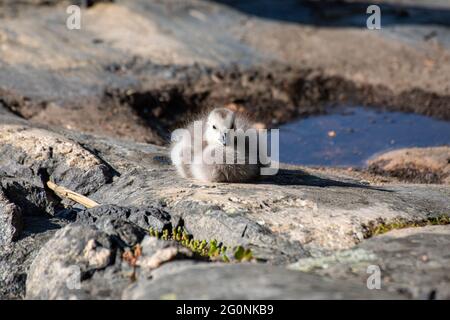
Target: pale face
[218, 125]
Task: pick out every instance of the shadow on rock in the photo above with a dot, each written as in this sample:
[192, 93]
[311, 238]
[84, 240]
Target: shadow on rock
[287, 177]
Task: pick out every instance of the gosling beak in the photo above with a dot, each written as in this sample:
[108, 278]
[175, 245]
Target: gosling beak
[223, 139]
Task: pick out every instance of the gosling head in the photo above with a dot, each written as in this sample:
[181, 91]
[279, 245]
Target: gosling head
[218, 125]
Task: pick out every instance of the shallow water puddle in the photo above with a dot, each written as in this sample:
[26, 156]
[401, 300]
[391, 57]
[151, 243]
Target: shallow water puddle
[351, 136]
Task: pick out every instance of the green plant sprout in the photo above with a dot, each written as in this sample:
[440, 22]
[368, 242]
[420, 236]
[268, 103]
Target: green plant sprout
[212, 249]
[381, 227]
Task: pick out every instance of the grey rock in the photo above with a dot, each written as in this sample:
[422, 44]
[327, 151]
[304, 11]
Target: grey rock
[248, 281]
[297, 214]
[82, 262]
[32, 199]
[157, 253]
[248, 45]
[128, 224]
[3, 110]
[414, 262]
[37, 155]
[128, 233]
[237, 229]
[151, 245]
[11, 221]
[73, 265]
[282, 218]
[429, 165]
[16, 258]
[174, 267]
[302, 214]
[145, 218]
[24, 229]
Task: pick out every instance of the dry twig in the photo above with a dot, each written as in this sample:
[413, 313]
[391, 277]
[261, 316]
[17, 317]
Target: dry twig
[71, 195]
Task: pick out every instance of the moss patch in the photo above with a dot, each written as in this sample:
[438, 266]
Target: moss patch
[212, 249]
[380, 226]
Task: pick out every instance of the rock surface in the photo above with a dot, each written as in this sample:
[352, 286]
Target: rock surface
[129, 224]
[412, 261]
[248, 282]
[16, 258]
[73, 254]
[32, 154]
[296, 214]
[431, 165]
[11, 221]
[82, 262]
[140, 77]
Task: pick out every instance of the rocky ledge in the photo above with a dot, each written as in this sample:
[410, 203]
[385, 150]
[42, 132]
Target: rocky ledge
[304, 233]
[429, 165]
[326, 227]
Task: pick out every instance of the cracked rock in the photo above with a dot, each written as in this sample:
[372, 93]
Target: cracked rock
[34, 154]
[11, 222]
[248, 281]
[156, 252]
[145, 218]
[65, 265]
[413, 261]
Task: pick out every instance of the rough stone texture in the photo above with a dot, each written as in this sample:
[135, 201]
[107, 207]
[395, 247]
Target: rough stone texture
[430, 165]
[35, 154]
[73, 254]
[16, 258]
[11, 221]
[33, 200]
[156, 253]
[247, 281]
[331, 212]
[140, 77]
[145, 218]
[278, 60]
[414, 262]
[25, 216]
[299, 213]
[82, 262]
[241, 32]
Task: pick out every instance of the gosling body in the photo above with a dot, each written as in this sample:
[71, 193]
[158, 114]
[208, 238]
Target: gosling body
[219, 130]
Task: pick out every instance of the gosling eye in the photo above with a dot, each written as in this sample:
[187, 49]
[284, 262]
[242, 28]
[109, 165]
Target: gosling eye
[214, 127]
